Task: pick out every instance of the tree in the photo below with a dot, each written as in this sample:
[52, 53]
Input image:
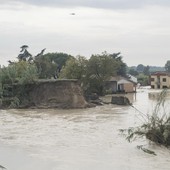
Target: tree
[143, 79]
[75, 68]
[133, 72]
[146, 70]
[59, 58]
[28, 73]
[122, 67]
[20, 72]
[100, 68]
[140, 68]
[167, 66]
[24, 54]
[46, 68]
[51, 64]
[94, 72]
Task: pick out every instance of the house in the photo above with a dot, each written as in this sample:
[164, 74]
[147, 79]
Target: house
[160, 80]
[125, 86]
[121, 84]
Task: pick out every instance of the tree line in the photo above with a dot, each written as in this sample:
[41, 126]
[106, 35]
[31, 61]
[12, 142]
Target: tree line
[143, 72]
[92, 72]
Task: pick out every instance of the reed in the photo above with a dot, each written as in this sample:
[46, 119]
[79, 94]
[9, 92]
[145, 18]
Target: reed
[155, 126]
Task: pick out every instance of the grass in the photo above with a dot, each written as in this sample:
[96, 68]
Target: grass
[2, 167]
[155, 127]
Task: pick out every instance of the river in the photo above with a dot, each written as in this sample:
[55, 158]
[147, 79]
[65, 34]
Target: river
[81, 139]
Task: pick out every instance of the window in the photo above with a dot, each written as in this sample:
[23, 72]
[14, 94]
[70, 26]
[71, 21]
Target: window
[164, 87]
[152, 79]
[164, 79]
[152, 86]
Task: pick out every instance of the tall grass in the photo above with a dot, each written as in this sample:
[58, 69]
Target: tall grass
[155, 127]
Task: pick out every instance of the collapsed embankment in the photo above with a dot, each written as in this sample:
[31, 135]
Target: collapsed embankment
[48, 94]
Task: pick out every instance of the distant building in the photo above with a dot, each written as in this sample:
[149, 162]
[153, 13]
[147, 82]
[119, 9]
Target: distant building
[160, 80]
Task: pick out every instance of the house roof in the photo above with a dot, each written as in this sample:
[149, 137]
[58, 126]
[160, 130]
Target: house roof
[123, 81]
[160, 74]
[132, 79]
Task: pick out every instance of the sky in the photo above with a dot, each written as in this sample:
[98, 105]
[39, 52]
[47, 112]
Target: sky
[140, 30]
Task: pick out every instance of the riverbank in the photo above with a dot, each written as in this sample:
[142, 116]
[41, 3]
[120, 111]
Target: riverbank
[65, 94]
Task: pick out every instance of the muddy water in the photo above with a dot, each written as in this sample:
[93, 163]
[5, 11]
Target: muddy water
[77, 139]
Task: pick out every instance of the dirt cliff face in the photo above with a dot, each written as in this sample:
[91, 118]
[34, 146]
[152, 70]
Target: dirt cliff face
[57, 94]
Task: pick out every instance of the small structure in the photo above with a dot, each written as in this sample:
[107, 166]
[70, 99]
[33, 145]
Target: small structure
[120, 100]
[160, 80]
[125, 86]
[120, 84]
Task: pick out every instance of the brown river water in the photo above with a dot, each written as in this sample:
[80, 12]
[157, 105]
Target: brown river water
[86, 139]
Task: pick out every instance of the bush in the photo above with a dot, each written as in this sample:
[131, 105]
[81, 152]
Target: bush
[14, 103]
[29, 74]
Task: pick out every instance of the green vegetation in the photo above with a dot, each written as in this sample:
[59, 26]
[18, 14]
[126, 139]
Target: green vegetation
[92, 73]
[50, 64]
[142, 73]
[143, 79]
[155, 127]
[75, 68]
[20, 72]
[167, 66]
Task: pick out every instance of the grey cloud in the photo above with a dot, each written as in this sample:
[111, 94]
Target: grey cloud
[110, 4]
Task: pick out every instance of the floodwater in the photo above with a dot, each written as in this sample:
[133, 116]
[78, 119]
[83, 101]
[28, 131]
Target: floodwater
[86, 139]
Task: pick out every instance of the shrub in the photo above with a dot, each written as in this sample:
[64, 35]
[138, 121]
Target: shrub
[156, 127]
[14, 103]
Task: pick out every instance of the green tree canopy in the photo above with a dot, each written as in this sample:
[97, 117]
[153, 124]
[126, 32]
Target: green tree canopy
[140, 68]
[143, 79]
[146, 70]
[101, 68]
[167, 66]
[50, 64]
[133, 72]
[19, 72]
[75, 68]
[58, 58]
[94, 72]
[46, 68]
[122, 67]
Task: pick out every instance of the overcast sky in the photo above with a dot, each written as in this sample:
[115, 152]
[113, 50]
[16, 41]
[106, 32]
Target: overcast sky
[140, 30]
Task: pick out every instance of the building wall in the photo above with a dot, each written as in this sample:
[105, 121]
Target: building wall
[129, 87]
[120, 84]
[160, 82]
